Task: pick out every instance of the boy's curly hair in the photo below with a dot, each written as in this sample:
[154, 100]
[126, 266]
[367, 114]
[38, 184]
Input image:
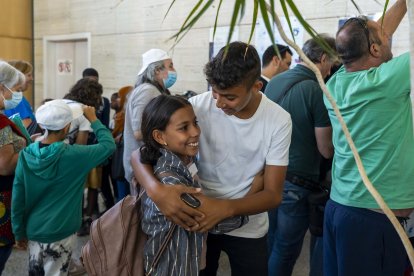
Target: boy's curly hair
[240, 65]
[86, 91]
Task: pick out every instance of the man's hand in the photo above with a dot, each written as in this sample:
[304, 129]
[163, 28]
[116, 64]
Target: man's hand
[89, 112]
[215, 210]
[168, 201]
[21, 244]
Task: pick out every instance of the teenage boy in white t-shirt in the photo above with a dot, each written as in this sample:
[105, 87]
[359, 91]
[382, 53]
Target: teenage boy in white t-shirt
[242, 133]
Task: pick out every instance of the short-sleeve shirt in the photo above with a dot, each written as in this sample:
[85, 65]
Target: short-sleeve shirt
[304, 101]
[376, 106]
[23, 109]
[234, 150]
[137, 100]
[78, 124]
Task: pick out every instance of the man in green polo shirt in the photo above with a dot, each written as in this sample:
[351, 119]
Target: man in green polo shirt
[372, 91]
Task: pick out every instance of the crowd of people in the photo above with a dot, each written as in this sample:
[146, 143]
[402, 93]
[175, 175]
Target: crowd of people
[244, 168]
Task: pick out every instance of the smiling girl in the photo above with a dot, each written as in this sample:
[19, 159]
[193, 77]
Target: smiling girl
[170, 134]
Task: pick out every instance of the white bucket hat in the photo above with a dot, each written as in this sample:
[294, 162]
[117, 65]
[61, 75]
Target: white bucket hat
[55, 115]
[152, 56]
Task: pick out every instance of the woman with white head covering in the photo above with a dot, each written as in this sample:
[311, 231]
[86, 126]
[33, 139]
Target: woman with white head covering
[157, 74]
[12, 141]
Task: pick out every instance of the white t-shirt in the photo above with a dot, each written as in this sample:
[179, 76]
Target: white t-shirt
[78, 124]
[233, 151]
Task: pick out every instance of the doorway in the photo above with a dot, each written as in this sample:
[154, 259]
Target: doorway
[64, 59]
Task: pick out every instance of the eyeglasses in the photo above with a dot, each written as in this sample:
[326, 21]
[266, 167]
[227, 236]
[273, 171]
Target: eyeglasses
[363, 22]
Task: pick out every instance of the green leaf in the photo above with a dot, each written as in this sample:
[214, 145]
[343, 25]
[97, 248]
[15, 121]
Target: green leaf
[191, 21]
[383, 12]
[266, 20]
[308, 28]
[215, 22]
[286, 13]
[238, 6]
[169, 8]
[192, 12]
[356, 6]
[255, 12]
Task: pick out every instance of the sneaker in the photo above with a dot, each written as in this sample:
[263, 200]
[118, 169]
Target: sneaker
[76, 268]
[85, 227]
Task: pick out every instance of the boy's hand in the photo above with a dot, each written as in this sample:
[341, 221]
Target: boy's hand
[168, 201]
[215, 210]
[22, 244]
[90, 113]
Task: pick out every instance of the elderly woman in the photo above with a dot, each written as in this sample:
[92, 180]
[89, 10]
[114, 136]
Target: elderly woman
[155, 77]
[23, 108]
[12, 141]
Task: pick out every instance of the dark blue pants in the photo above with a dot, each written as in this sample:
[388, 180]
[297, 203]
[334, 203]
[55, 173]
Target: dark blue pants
[248, 257]
[360, 242]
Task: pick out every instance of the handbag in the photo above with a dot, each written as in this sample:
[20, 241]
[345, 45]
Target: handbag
[117, 165]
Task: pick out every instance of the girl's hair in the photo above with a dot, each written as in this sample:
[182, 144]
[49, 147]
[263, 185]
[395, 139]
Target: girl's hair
[86, 91]
[10, 76]
[157, 115]
[148, 76]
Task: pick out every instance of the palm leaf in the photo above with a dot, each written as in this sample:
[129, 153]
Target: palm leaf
[190, 22]
[286, 13]
[266, 20]
[169, 8]
[255, 12]
[238, 7]
[308, 28]
[215, 22]
[356, 6]
[383, 12]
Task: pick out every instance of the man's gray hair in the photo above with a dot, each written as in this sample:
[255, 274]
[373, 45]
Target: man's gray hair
[314, 51]
[10, 76]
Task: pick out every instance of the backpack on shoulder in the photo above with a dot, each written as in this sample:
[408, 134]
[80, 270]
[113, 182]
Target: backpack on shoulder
[116, 242]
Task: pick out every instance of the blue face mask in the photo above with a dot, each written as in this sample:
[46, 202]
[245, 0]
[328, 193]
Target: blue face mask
[17, 97]
[172, 77]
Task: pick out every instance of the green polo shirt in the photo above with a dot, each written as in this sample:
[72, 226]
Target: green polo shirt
[376, 106]
[304, 102]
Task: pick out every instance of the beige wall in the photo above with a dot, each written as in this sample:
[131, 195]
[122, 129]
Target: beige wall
[16, 32]
[122, 30]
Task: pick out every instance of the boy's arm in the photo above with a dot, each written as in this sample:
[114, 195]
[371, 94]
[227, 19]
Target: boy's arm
[18, 205]
[166, 197]
[215, 210]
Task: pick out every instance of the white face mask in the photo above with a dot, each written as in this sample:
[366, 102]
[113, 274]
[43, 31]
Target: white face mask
[17, 97]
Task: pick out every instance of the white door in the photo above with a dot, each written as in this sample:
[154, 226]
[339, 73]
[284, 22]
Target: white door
[64, 60]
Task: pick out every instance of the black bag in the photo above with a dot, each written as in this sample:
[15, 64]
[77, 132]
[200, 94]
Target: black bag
[117, 166]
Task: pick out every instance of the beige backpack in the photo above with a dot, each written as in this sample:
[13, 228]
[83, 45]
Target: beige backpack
[116, 244]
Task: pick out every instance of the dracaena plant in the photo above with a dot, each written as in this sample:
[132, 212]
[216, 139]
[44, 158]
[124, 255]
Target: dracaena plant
[267, 11]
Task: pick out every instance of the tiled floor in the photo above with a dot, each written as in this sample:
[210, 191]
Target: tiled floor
[18, 261]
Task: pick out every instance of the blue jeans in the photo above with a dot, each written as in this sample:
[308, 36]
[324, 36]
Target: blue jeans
[5, 252]
[360, 242]
[287, 227]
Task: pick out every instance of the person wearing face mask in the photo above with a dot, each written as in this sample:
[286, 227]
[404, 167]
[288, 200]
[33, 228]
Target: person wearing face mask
[12, 141]
[156, 76]
[23, 108]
